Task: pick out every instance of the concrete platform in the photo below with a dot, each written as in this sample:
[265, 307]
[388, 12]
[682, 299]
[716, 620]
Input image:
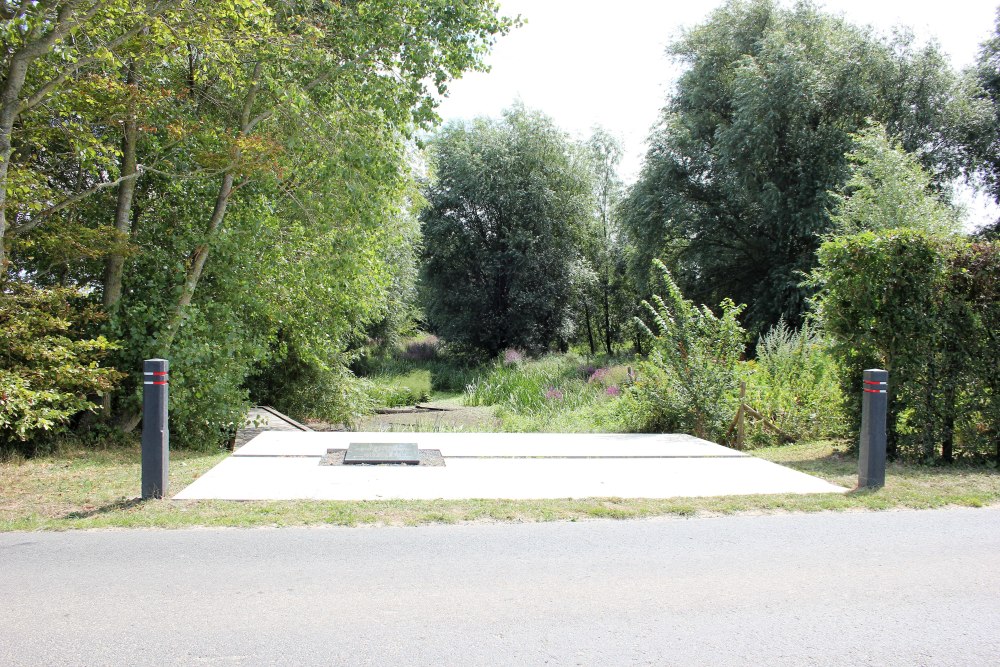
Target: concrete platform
[285, 466]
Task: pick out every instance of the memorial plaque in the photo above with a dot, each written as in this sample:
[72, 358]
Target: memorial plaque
[382, 452]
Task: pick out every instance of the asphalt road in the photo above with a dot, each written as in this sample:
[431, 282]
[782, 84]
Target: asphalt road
[893, 588]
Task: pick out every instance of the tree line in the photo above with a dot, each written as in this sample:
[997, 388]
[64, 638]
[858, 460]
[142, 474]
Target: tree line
[756, 158]
[238, 186]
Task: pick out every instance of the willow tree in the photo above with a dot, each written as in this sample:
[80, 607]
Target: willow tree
[734, 189]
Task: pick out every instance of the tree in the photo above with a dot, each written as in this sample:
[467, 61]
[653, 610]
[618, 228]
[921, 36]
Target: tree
[981, 137]
[733, 191]
[888, 189]
[505, 211]
[227, 179]
[47, 46]
[605, 249]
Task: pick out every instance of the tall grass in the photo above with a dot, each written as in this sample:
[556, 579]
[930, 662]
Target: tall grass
[390, 391]
[423, 365]
[553, 393]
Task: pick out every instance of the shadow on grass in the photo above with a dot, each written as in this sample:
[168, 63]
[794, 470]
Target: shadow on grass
[117, 506]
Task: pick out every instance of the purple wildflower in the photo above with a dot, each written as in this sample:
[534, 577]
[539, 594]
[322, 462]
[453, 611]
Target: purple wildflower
[599, 375]
[553, 394]
[612, 390]
[512, 357]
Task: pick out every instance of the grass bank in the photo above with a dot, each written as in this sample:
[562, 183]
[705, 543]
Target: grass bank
[85, 489]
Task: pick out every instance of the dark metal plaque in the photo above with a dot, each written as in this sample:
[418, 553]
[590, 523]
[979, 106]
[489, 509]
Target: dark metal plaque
[428, 458]
[382, 452]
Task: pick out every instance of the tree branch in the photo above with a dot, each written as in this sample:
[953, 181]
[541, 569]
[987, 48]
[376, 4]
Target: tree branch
[46, 89]
[52, 210]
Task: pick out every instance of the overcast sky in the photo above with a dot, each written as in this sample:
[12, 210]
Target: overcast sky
[587, 63]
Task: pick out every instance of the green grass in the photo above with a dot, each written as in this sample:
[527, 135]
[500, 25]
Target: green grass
[80, 489]
[397, 390]
[556, 393]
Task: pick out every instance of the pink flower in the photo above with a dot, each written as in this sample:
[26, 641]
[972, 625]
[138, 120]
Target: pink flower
[612, 391]
[598, 375]
[512, 356]
[553, 394]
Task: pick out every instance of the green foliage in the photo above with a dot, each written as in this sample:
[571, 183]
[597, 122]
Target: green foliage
[605, 297]
[924, 308]
[310, 391]
[888, 189]
[980, 126]
[500, 232]
[690, 382]
[555, 393]
[528, 386]
[48, 371]
[795, 382]
[271, 235]
[390, 391]
[734, 189]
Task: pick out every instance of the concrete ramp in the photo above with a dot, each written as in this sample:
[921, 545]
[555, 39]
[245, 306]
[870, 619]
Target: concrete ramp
[285, 465]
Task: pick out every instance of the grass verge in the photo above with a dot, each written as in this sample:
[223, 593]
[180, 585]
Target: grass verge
[83, 489]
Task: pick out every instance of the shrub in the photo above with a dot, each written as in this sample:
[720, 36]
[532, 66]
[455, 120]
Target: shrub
[689, 384]
[795, 382]
[307, 389]
[48, 374]
[925, 308]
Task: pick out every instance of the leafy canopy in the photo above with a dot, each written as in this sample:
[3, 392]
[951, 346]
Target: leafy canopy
[505, 210]
[888, 189]
[733, 192]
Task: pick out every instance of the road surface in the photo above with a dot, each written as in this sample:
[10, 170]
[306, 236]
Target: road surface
[892, 588]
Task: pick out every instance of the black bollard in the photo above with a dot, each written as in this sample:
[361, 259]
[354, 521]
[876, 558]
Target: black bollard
[874, 405]
[155, 431]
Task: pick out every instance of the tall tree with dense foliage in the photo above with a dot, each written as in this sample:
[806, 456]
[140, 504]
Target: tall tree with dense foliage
[734, 188]
[229, 181]
[609, 301]
[981, 126]
[506, 208]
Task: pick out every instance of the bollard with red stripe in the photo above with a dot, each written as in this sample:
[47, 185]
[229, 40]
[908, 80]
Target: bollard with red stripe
[874, 406]
[155, 428]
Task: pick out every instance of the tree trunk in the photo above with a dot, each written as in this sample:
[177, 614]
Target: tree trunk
[196, 264]
[10, 99]
[116, 260]
[996, 439]
[607, 314]
[948, 431]
[590, 329]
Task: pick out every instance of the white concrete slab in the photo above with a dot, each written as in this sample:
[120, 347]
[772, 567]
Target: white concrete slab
[629, 466]
[494, 444]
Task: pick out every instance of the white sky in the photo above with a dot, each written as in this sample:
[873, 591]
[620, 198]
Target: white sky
[587, 63]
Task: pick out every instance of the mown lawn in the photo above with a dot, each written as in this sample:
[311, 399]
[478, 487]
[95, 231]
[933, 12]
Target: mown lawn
[81, 489]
